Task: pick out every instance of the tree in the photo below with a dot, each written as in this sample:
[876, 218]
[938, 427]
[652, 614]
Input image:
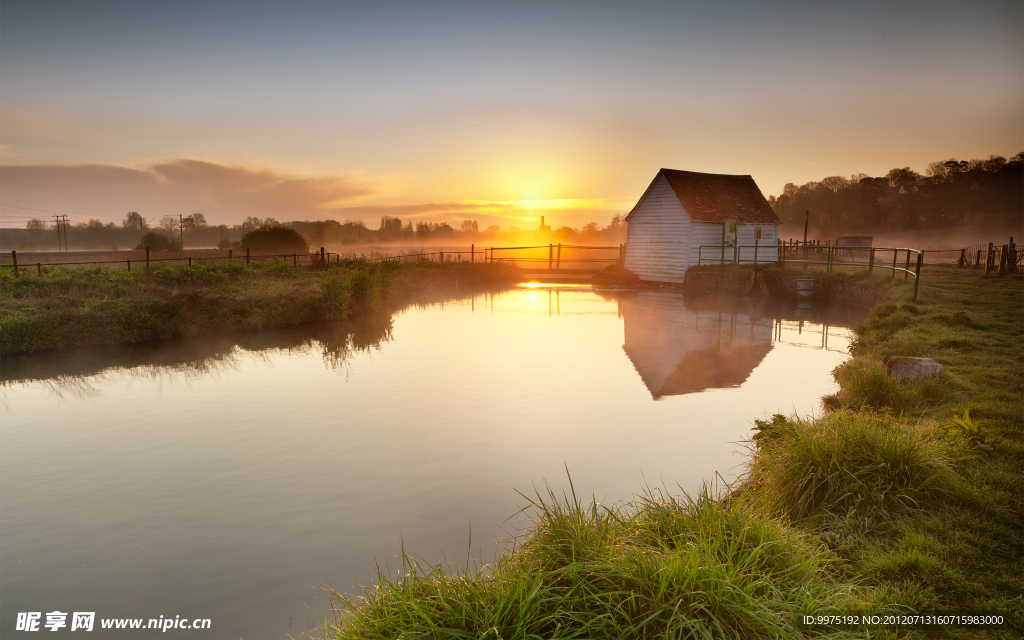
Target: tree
[835, 183]
[134, 222]
[390, 228]
[194, 221]
[158, 242]
[277, 238]
[169, 225]
[902, 177]
[36, 225]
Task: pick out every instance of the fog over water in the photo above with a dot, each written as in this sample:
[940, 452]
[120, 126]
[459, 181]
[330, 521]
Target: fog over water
[227, 478]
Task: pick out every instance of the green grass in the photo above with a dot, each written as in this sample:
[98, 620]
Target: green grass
[902, 497]
[673, 567]
[64, 308]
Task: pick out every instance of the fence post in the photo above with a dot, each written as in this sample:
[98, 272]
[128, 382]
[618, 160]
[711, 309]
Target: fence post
[895, 252]
[440, 255]
[295, 260]
[147, 261]
[14, 257]
[39, 268]
[190, 261]
[558, 260]
[472, 254]
[871, 261]
[323, 258]
[1004, 252]
[917, 274]
[247, 255]
[129, 265]
[907, 272]
[551, 252]
[988, 258]
[230, 252]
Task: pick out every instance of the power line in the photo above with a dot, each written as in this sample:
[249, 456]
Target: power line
[40, 210]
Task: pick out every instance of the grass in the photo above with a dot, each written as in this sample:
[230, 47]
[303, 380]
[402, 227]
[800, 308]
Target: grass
[63, 308]
[901, 498]
[660, 567]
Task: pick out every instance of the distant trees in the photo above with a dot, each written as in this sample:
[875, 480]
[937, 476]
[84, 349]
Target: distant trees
[134, 222]
[276, 238]
[951, 193]
[156, 241]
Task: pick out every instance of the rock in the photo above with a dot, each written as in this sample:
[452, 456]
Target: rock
[907, 368]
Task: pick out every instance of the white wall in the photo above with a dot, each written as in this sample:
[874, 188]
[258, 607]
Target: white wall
[658, 236]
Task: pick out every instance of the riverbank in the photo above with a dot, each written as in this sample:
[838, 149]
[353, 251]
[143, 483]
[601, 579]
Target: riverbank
[902, 499]
[63, 308]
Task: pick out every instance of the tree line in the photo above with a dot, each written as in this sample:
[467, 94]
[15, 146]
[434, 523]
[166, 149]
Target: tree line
[168, 233]
[952, 193]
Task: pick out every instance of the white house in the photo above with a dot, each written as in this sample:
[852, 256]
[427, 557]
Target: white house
[687, 218]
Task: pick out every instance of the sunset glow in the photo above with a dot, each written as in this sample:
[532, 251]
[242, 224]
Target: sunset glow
[495, 112]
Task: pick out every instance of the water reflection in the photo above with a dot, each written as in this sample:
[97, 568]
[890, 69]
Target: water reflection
[81, 372]
[224, 477]
[686, 344]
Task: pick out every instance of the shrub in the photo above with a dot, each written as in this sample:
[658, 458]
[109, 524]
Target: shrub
[281, 239]
[158, 242]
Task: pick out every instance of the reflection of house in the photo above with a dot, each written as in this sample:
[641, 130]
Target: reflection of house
[682, 211]
[678, 350]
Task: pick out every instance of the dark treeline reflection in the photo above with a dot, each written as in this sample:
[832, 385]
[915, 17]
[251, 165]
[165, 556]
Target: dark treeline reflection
[688, 343]
[199, 356]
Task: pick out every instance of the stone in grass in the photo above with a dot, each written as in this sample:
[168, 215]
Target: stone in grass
[907, 368]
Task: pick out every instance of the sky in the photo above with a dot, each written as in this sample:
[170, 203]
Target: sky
[499, 112]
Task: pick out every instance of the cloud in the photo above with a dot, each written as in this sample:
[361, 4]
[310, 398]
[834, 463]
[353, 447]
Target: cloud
[228, 194]
[224, 193]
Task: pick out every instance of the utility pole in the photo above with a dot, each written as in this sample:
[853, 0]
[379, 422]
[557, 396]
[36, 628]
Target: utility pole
[65, 221]
[56, 226]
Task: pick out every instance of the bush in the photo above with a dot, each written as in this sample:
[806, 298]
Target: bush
[158, 242]
[281, 239]
[224, 244]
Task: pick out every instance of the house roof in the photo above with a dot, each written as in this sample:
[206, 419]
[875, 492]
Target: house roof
[714, 197]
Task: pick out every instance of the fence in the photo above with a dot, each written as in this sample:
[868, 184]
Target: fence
[829, 255]
[313, 259]
[555, 257]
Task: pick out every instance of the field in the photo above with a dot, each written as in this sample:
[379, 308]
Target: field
[903, 499]
[68, 307]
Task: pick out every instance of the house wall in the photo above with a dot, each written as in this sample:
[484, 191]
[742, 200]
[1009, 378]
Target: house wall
[658, 236]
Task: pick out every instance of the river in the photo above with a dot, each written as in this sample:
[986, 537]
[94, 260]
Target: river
[228, 479]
